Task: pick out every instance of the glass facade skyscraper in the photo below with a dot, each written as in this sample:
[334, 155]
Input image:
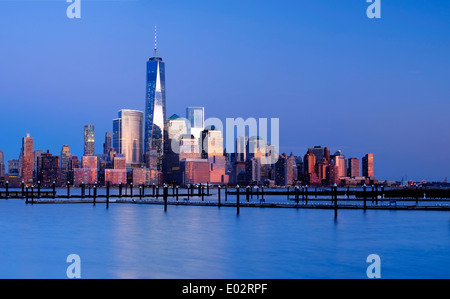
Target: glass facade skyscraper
[89, 140]
[27, 159]
[127, 135]
[155, 109]
[196, 117]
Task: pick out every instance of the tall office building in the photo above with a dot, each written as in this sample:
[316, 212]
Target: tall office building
[319, 152]
[354, 168]
[252, 171]
[127, 135]
[241, 148]
[367, 166]
[175, 130]
[65, 161]
[211, 143]
[36, 155]
[107, 144]
[196, 118]
[284, 170]
[212, 149]
[48, 169]
[65, 157]
[13, 166]
[309, 162]
[87, 174]
[155, 109]
[74, 163]
[255, 147]
[89, 140]
[332, 174]
[27, 158]
[341, 164]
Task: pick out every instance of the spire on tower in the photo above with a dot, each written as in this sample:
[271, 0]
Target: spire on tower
[155, 43]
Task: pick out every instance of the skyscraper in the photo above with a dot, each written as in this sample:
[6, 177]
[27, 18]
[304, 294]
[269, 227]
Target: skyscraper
[284, 170]
[127, 135]
[48, 169]
[211, 142]
[89, 140]
[367, 166]
[354, 168]
[253, 171]
[107, 144]
[341, 164]
[174, 131]
[155, 108]
[309, 162]
[65, 159]
[319, 153]
[13, 166]
[196, 117]
[27, 158]
[241, 148]
[212, 149]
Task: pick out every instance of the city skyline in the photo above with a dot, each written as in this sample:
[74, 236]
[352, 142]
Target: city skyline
[383, 121]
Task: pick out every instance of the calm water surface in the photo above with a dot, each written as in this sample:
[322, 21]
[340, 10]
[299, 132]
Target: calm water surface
[142, 241]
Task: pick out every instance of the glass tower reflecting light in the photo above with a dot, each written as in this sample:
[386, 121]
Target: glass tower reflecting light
[155, 108]
[196, 117]
[127, 135]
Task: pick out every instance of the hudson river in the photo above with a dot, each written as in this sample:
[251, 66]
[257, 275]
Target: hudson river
[143, 241]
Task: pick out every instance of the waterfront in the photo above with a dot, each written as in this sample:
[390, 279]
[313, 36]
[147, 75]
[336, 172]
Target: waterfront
[143, 241]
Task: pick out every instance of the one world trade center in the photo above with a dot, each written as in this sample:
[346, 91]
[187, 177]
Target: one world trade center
[155, 111]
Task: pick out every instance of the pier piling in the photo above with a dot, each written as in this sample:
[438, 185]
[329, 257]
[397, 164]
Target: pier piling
[107, 194]
[226, 193]
[237, 199]
[165, 193]
[95, 195]
[32, 194]
[365, 197]
[306, 194]
[202, 191]
[335, 201]
[247, 194]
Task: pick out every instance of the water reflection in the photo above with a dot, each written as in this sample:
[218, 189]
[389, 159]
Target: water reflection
[143, 241]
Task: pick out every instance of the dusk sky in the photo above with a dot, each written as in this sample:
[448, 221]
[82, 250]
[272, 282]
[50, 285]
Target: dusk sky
[331, 75]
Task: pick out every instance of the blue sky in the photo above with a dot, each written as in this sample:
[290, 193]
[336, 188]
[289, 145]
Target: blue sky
[331, 75]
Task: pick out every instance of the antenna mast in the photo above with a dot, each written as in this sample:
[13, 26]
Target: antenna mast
[155, 43]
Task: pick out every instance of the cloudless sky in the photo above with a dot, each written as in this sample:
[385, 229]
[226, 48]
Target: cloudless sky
[331, 75]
